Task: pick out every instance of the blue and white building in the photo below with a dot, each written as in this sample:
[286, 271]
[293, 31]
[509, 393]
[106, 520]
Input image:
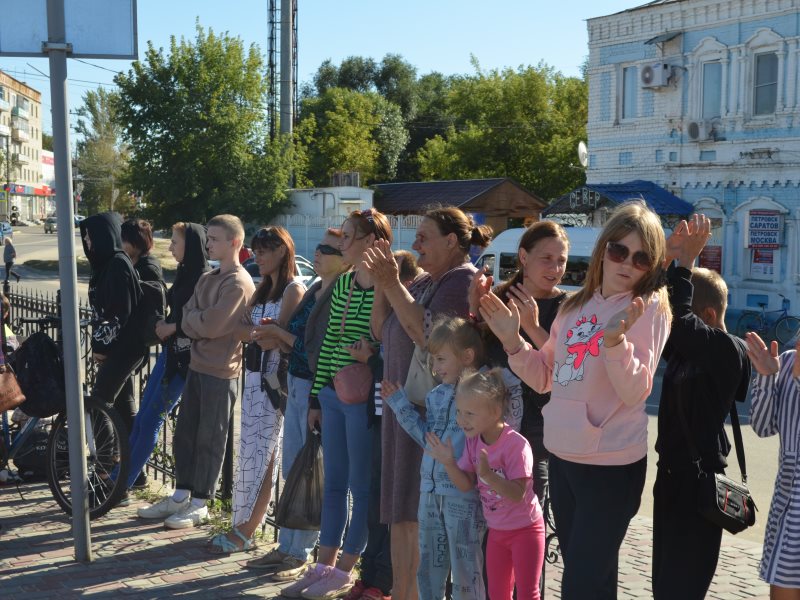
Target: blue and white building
[702, 97]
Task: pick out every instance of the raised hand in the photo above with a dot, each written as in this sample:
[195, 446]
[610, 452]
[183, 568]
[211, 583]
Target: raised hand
[526, 306]
[480, 285]
[699, 232]
[388, 388]
[502, 320]
[621, 322]
[675, 242]
[439, 450]
[764, 359]
[380, 262]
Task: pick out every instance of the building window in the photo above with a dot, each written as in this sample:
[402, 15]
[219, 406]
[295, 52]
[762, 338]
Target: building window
[712, 90]
[659, 156]
[673, 157]
[630, 84]
[625, 158]
[765, 92]
[706, 155]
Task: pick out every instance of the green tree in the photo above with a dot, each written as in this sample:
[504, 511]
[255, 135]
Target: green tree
[47, 141]
[523, 123]
[102, 156]
[194, 118]
[347, 130]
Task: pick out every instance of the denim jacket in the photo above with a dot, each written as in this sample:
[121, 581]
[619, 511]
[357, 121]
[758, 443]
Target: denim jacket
[440, 419]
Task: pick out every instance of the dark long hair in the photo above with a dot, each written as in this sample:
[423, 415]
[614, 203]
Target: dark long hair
[450, 219]
[537, 232]
[272, 238]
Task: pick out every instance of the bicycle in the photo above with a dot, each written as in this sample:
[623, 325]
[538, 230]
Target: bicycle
[105, 449]
[785, 327]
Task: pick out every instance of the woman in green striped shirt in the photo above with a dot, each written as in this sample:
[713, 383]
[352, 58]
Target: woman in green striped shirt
[346, 442]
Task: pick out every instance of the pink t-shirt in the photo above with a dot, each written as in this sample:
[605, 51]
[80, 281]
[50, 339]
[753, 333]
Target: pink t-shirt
[511, 458]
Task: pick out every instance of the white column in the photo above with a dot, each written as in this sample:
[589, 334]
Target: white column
[791, 75]
[724, 93]
[733, 92]
[781, 62]
[742, 80]
[794, 80]
[729, 251]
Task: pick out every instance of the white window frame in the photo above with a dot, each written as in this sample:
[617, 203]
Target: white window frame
[708, 50]
[764, 41]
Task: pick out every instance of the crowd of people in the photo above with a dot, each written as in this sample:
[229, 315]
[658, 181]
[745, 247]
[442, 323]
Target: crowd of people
[481, 401]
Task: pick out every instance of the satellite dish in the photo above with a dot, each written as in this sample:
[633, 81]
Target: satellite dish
[583, 154]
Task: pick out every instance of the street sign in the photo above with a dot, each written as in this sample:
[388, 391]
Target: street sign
[94, 28]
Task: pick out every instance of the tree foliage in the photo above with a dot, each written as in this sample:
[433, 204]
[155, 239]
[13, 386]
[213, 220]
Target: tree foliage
[523, 123]
[194, 118]
[102, 156]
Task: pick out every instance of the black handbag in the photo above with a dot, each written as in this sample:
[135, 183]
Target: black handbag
[721, 500]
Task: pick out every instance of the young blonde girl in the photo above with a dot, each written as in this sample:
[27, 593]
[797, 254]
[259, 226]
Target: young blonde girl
[450, 524]
[499, 462]
[598, 365]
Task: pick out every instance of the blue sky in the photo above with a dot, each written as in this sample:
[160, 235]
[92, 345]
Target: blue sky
[433, 35]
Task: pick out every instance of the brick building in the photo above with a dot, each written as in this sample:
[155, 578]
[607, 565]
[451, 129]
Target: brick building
[701, 97]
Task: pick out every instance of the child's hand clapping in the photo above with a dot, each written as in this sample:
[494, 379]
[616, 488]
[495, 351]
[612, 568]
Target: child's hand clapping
[441, 451]
[622, 322]
[484, 470]
[388, 388]
[765, 358]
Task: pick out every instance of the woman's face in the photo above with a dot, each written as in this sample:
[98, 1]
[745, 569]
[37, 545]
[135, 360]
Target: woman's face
[269, 260]
[177, 246]
[544, 265]
[434, 249]
[622, 277]
[353, 243]
[327, 264]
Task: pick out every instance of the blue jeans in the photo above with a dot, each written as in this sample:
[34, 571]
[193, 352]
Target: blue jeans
[347, 457]
[159, 398]
[296, 542]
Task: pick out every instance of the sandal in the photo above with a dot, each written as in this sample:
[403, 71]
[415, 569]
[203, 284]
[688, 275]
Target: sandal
[220, 544]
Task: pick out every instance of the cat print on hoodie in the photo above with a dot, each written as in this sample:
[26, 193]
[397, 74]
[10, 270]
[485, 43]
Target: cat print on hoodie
[582, 341]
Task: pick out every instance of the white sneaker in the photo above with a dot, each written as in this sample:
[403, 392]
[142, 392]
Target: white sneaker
[162, 509]
[188, 516]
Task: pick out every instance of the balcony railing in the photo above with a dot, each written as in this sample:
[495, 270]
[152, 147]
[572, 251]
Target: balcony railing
[5, 131]
[19, 159]
[19, 134]
[20, 112]
[4, 104]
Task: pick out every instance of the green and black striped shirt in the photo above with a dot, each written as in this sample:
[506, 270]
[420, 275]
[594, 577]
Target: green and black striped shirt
[333, 354]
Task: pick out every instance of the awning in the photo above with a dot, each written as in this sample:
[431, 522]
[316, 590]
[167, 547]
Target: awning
[588, 198]
[664, 37]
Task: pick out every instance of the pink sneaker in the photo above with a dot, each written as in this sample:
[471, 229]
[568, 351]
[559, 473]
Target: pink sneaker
[333, 584]
[374, 593]
[313, 574]
[356, 591]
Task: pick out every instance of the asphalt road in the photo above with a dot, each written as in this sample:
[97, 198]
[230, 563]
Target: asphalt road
[762, 454]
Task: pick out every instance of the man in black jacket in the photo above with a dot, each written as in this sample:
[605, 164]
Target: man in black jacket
[707, 370]
[114, 295]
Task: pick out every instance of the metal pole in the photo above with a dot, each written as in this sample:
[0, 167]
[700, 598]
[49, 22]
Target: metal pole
[287, 71]
[57, 49]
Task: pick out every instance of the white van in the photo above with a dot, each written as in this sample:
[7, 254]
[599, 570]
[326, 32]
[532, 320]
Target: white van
[501, 255]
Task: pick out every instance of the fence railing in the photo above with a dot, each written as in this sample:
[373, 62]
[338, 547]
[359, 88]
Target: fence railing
[28, 304]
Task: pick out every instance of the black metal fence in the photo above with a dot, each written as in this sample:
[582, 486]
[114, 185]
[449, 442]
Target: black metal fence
[27, 304]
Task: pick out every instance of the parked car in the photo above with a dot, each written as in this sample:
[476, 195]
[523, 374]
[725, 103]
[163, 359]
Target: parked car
[305, 270]
[50, 225]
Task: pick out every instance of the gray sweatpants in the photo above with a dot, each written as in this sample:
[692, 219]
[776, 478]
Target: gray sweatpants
[202, 432]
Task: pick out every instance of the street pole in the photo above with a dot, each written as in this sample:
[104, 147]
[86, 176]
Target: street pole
[57, 48]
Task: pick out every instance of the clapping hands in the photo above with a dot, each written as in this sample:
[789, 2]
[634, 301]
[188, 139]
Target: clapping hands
[381, 264]
[441, 451]
[502, 320]
[688, 240]
[765, 358]
[621, 322]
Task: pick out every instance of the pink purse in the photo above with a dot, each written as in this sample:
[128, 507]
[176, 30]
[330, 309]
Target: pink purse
[352, 382]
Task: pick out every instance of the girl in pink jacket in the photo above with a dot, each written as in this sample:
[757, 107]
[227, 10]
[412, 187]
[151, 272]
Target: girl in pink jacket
[598, 365]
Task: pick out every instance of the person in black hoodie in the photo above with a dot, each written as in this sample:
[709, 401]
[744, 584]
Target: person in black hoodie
[707, 371]
[165, 384]
[137, 242]
[114, 295]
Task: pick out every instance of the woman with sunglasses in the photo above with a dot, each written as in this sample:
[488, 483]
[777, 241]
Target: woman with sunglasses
[275, 299]
[598, 364]
[302, 340]
[346, 439]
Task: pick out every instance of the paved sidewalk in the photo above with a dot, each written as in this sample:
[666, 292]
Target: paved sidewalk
[141, 559]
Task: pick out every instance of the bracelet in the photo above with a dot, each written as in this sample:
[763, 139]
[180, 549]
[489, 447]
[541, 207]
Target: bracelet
[517, 351]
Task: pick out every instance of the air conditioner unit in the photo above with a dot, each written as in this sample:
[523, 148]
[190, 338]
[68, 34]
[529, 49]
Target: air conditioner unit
[655, 75]
[699, 130]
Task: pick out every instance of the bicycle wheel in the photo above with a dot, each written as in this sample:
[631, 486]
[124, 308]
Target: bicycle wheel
[786, 329]
[106, 450]
[750, 321]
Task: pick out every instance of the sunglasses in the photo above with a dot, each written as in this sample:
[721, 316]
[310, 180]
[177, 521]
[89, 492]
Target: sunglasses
[617, 253]
[328, 250]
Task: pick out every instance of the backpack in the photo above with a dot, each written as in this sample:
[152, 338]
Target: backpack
[40, 373]
[152, 309]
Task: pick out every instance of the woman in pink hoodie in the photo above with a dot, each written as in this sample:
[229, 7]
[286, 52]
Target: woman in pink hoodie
[598, 365]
